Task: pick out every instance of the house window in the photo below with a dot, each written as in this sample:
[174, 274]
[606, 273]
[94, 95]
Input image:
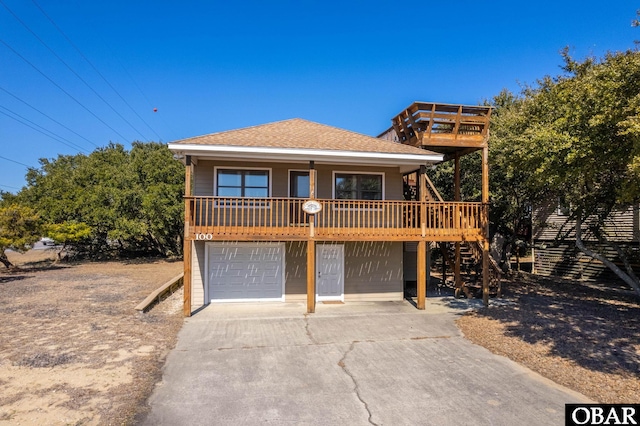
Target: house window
[242, 183]
[358, 186]
[299, 184]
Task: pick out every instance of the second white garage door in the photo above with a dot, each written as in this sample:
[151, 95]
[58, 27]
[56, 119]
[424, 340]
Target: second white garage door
[245, 272]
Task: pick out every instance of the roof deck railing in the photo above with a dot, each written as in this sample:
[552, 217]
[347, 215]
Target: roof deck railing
[432, 125]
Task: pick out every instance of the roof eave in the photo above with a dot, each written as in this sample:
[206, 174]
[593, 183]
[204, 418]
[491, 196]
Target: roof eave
[320, 156]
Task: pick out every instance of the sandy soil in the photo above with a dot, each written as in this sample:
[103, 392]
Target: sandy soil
[585, 336]
[73, 350]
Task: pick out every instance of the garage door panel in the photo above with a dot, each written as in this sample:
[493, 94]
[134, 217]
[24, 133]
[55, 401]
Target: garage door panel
[245, 272]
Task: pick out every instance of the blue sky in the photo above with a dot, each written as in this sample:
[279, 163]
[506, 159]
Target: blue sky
[209, 66]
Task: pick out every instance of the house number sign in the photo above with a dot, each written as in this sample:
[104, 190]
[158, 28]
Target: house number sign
[311, 207]
[204, 236]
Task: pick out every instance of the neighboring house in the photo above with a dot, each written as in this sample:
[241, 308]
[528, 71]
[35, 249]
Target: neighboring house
[300, 211]
[555, 251]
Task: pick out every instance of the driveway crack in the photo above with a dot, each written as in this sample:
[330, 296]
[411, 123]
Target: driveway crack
[356, 388]
[308, 331]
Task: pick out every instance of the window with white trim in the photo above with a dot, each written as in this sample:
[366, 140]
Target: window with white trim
[242, 183]
[358, 186]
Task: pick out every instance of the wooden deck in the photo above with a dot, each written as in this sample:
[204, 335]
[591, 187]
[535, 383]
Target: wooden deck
[255, 219]
[453, 130]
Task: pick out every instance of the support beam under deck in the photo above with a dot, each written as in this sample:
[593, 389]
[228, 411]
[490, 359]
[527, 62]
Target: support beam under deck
[311, 276]
[422, 247]
[311, 247]
[457, 276]
[187, 244]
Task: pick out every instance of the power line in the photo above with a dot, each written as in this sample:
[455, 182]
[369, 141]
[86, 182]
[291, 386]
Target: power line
[63, 139]
[44, 131]
[94, 67]
[40, 129]
[64, 91]
[144, 96]
[17, 162]
[7, 186]
[72, 70]
[50, 118]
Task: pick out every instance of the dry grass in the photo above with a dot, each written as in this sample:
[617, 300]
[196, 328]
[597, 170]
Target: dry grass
[583, 336]
[73, 350]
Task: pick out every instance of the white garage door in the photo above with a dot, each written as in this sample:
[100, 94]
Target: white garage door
[245, 272]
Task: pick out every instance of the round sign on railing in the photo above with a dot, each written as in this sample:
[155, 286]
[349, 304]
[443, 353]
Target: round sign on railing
[311, 207]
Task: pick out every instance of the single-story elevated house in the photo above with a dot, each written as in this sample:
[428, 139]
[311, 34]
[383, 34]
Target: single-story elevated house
[301, 211]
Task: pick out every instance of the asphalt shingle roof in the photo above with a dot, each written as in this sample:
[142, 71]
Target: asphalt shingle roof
[297, 133]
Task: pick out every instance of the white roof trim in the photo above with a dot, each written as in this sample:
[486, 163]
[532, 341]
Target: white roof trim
[308, 154]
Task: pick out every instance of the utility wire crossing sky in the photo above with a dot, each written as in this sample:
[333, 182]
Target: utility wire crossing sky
[75, 76]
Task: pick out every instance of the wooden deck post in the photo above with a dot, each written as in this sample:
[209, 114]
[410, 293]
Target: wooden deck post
[422, 244]
[311, 276]
[485, 226]
[457, 277]
[187, 243]
[422, 274]
[311, 246]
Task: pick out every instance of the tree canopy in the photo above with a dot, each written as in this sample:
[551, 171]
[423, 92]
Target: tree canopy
[112, 201]
[19, 228]
[576, 135]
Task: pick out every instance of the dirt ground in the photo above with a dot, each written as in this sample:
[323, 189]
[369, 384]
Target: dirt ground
[73, 350]
[585, 336]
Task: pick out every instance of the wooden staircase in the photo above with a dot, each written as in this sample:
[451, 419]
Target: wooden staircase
[454, 131]
[470, 269]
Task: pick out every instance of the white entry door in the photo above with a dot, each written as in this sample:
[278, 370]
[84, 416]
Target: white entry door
[330, 270]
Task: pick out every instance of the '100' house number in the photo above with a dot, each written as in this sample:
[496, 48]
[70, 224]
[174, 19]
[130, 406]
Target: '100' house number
[204, 236]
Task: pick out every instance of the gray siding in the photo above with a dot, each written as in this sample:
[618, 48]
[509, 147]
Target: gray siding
[389, 135]
[548, 221]
[295, 287]
[410, 261]
[373, 271]
[204, 177]
[565, 260]
[561, 258]
[197, 274]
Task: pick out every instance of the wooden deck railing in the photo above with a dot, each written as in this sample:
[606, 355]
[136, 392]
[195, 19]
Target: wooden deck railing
[427, 123]
[222, 218]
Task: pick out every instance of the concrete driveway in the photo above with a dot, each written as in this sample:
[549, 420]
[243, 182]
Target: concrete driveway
[353, 364]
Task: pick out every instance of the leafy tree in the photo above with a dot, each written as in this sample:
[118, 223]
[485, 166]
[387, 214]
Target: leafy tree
[67, 233]
[442, 177]
[161, 204]
[19, 229]
[131, 201]
[578, 135]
